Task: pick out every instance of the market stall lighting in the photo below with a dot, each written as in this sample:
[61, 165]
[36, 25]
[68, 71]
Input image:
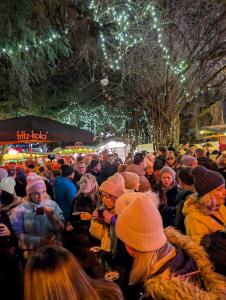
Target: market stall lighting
[13, 151]
[112, 144]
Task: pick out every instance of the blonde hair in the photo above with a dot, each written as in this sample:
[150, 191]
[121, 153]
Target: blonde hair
[221, 161]
[144, 263]
[94, 194]
[206, 204]
[53, 273]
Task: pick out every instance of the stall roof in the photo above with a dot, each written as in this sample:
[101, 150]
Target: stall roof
[32, 129]
[213, 131]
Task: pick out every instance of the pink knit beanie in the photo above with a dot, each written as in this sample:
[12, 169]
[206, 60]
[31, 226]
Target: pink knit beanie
[132, 180]
[35, 184]
[140, 225]
[31, 176]
[114, 185]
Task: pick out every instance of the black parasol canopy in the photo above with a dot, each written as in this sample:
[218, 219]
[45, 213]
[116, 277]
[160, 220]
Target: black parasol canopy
[32, 129]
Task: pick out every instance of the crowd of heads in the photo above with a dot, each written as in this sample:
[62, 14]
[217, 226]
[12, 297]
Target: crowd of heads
[58, 210]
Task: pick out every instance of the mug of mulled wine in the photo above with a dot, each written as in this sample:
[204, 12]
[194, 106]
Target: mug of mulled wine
[76, 215]
[40, 210]
[101, 215]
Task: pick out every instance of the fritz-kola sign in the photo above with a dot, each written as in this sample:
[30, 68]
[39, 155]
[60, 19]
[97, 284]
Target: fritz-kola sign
[25, 135]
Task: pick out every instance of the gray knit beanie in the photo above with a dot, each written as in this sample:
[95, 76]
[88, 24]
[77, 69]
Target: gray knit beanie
[168, 170]
[206, 180]
[188, 160]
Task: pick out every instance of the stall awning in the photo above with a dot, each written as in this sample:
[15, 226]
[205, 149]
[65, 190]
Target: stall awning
[32, 129]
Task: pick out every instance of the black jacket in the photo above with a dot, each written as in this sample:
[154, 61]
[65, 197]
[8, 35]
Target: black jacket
[180, 199]
[167, 208]
[207, 163]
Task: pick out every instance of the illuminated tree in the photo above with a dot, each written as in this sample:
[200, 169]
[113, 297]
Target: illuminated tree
[163, 57]
[157, 57]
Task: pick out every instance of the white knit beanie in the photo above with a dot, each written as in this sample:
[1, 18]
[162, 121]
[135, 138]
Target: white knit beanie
[140, 225]
[7, 184]
[114, 185]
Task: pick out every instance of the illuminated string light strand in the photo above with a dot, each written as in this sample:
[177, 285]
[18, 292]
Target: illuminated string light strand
[94, 120]
[21, 47]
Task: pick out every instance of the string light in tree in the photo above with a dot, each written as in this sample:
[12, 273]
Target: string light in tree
[94, 120]
[125, 16]
[24, 46]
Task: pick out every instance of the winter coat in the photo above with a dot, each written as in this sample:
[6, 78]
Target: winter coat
[30, 228]
[81, 238]
[198, 224]
[76, 179]
[10, 272]
[10, 207]
[65, 191]
[222, 171]
[180, 199]
[105, 233]
[207, 163]
[169, 286]
[168, 204]
[123, 262]
[11, 241]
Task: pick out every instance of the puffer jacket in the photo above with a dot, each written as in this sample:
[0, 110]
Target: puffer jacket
[168, 286]
[30, 228]
[197, 224]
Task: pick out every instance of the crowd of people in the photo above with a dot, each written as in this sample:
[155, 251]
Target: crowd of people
[151, 227]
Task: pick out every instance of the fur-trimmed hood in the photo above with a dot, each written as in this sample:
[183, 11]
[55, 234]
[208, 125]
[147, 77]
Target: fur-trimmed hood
[170, 287]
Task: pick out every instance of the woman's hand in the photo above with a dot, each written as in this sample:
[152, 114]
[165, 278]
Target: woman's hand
[69, 227]
[95, 214]
[85, 216]
[48, 211]
[4, 230]
[107, 216]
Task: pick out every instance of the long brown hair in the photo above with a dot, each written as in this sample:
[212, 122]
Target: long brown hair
[53, 273]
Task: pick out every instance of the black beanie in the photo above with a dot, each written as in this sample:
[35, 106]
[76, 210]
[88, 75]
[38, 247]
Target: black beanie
[185, 176]
[66, 170]
[206, 180]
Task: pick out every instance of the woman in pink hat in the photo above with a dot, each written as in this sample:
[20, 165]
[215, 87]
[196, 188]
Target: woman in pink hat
[39, 220]
[168, 264]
